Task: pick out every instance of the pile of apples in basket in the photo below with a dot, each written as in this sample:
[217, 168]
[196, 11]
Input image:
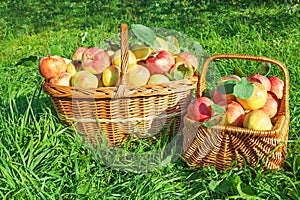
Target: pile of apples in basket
[250, 102]
[94, 67]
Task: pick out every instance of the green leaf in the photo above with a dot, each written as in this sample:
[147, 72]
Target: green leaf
[239, 72]
[243, 89]
[56, 50]
[263, 69]
[218, 109]
[213, 185]
[182, 72]
[145, 34]
[226, 87]
[170, 76]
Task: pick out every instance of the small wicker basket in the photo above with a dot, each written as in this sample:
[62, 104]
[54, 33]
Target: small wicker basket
[119, 113]
[221, 145]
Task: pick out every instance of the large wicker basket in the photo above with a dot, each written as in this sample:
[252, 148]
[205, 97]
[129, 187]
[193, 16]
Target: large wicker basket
[221, 146]
[116, 114]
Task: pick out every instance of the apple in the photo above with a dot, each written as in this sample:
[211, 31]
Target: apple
[138, 75]
[116, 58]
[51, 66]
[261, 79]
[257, 99]
[84, 79]
[181, 70]
[62, 79]
[271, 106]
[77, 55]
[257, 120]
[73, 67]
[200, 109]
[95, 60]
[277, 86]
[160, 62]
[234, 114]
[188, 58]
[158, 79]
[111, 76]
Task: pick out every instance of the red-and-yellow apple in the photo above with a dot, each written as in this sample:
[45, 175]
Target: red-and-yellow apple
[95, 60]
[261, 79]
[111, 76]
[257, 99]
[62, 79]
[234, 114]
[257, 120]
[188, 58]
[200, 109]
[271, 106]
[277, 86]
[158, 79]
[51, 66]
[138, 75]
[77, 55]
[84, 79]
[160, 62]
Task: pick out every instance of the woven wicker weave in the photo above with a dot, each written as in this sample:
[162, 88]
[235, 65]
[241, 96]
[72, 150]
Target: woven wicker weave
[124, 111]
[221, 145]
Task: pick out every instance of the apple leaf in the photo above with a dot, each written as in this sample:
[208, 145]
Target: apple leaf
[239, 72]
[243, 89]
[145, 34]
[263, 69]
[218, 109]
[226, 87]
[182, 72]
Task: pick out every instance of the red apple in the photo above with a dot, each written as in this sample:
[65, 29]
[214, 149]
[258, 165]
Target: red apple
[261, 79]
[188, 58]
[200, 109]
[277, 86]
[271, 106]
[160, 62]
[77, 55]
[51, 66]
[234, 114]
[62, 79]
[95, 60]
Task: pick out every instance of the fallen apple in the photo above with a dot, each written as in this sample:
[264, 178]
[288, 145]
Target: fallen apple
[95, 60]
[51, 66]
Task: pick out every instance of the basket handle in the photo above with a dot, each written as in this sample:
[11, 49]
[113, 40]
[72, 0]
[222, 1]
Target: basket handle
[124, 61]
[202, 75]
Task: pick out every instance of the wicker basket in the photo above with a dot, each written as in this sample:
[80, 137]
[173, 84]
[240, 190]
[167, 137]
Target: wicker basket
[221, 146]
[119, 113]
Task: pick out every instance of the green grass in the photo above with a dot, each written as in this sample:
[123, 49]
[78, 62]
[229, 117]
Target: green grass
[42, 159]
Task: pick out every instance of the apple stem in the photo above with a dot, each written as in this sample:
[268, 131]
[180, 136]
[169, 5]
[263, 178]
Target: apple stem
[49, 54]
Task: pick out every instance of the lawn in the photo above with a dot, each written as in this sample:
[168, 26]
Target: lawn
[40, 158]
